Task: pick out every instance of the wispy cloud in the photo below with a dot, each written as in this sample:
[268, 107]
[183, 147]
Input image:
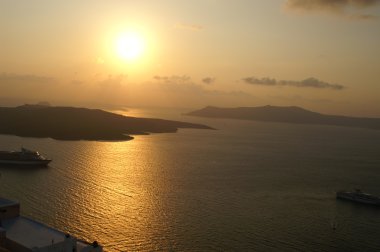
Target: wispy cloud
[179, 83]
[178, 79]
[266, 81]
[184, 84]
[346, 8]
[208, 80]
[361, 17]
[190, 27]
[306, 83]
[8, 78]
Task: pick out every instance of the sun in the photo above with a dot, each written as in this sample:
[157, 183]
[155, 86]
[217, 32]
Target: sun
[130, 46]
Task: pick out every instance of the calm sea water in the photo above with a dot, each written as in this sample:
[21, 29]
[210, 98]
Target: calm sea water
[248, 186]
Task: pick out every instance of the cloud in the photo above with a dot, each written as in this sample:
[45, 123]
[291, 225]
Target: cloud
[340, 7]
[173, 79]
[184, 84]
[7, 78]
[208, 80]
[361, 17]
[190, 27]
[309, 82]
[313, 83]
[263, 81]
[182, 91]
[335, 5]
[179, 83]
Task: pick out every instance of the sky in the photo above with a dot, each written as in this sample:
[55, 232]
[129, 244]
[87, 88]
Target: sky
[323, 55]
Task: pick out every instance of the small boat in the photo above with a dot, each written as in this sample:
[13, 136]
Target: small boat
[359, 197]
[23, 157]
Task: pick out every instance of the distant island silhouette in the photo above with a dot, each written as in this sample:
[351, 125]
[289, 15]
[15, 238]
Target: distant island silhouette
[291, 114]
[70, 123]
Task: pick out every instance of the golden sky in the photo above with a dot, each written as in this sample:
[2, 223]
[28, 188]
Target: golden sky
[321, 55]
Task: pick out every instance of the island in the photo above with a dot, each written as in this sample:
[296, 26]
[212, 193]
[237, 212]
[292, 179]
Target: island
[290, 114]
[71, 123]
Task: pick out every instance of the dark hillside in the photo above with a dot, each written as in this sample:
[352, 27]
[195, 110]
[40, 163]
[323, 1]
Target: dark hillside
[286, 114]
[68, 123]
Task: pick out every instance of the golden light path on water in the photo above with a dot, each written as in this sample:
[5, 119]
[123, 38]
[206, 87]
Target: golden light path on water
[119, 177]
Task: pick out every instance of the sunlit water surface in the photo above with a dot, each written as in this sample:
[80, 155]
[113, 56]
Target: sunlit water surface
[248, 186]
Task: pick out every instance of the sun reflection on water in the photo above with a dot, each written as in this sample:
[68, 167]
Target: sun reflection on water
[116, 192]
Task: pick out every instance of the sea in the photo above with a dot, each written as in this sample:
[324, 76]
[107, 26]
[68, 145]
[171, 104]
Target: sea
[245, 186]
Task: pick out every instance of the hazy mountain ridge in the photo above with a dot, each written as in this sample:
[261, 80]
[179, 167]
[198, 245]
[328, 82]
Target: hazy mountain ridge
[69, 123]
[291, 114]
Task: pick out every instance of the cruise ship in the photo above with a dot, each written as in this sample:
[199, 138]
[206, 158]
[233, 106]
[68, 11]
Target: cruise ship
[23, 157]
[359, 196]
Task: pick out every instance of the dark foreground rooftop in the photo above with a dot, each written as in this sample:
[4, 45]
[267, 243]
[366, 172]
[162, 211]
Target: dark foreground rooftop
[21, 234]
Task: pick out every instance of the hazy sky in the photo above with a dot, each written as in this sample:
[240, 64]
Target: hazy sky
[321, 55]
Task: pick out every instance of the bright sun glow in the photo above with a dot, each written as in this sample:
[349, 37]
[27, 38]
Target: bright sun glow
[130, 46]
